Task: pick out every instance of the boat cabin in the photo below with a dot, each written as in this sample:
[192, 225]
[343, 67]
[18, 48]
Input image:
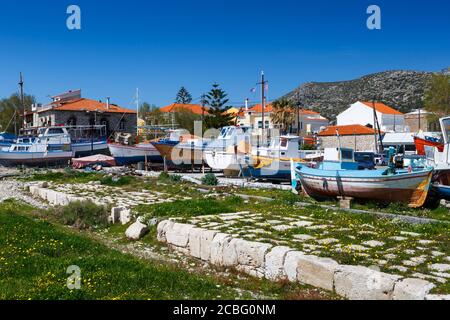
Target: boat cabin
[339, 159]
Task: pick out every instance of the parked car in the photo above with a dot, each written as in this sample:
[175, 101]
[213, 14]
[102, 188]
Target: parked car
[366, 160]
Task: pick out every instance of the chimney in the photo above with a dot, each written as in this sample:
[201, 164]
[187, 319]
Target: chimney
[107, 103]
[246, 104]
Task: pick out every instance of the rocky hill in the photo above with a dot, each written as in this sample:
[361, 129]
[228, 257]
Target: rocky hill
[402, 90]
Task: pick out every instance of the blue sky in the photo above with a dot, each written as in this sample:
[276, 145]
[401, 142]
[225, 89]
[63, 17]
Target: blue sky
[159, 46]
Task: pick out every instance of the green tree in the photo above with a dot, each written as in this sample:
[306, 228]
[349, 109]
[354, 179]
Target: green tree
[186, 119]
[283, 114]
[217, 100]
[183, 96]
[437, 96]
[9, 106]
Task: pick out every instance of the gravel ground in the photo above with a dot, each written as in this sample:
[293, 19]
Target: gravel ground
[11, 189]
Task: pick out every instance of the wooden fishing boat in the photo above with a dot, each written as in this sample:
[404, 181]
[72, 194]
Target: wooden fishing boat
[132, 154]
[273, 162]
[422, 142]
[342, 178]
[181, 149]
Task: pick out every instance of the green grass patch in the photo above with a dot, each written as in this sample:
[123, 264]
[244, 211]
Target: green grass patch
[65, 176]
[190, 208]
[82, 215]
[35, 255]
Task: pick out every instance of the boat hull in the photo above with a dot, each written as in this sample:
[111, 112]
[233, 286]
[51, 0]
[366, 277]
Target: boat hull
[126, 155]
[35, 159]
[269, 169]
[88, 148]
[410, 188]
[225, 161]
[442, 192]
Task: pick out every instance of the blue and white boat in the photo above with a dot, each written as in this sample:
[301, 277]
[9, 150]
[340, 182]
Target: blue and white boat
[47, 148]
[132, 154]
[6, 139]
[341, 178]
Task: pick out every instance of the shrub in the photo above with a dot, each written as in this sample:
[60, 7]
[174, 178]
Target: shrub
[83, 214]
[164, 176]
[210, 179]
[175, 178]
[117, 181]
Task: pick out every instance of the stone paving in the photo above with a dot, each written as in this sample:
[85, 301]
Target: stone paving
[398, 252]
[116, 196]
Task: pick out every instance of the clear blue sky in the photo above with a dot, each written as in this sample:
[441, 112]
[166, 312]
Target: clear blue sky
[159, 46]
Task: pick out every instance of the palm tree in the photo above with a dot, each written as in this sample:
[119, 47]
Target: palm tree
[283, 114]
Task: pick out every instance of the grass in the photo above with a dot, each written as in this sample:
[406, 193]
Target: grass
[35, 255]
[65, 176]
[190, 208]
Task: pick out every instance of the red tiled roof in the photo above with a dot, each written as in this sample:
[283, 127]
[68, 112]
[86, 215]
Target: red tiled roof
[354, 129]
[258, 108]
[89, 105]
[382, 108]
[194, 108]
[269, 108]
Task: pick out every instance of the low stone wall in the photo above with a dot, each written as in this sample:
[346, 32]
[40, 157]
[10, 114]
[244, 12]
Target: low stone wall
[283, 263]
[53, 197]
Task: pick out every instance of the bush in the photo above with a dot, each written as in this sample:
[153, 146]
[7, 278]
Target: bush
[83, 215]
[175, 178]
[163, 176]
[117, 181]
[210, 179]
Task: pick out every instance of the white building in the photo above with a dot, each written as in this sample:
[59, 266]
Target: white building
[389, 119]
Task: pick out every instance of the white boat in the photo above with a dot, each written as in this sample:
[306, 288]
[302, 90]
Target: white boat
[439, 157]
[273, 162]
[48, 148]
[228, 151]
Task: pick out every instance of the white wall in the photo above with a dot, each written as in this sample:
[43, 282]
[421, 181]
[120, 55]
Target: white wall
[357, 113]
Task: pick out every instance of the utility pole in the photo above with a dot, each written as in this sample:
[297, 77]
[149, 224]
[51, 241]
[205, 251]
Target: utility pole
[298, 119]
[22, 103]
[375, 125]
[137, 111]
[419, 118]
[263, 99]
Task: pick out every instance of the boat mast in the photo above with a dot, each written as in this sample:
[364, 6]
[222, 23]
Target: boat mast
[375, 125]
[137, 111]
[22, 104]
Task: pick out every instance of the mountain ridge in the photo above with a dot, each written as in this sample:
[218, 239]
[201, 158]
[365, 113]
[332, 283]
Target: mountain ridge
[403, 90]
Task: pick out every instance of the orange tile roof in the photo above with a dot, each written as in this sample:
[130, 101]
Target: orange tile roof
[89, 105]
[382, 108]
[258, 108]
[269, 108]
[194, 108]
[347, 130]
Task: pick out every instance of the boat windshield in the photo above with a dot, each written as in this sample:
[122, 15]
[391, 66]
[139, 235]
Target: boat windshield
[446, 129]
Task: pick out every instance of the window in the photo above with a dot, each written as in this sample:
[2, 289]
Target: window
[55, 131]
[122, 125]
[72, 121]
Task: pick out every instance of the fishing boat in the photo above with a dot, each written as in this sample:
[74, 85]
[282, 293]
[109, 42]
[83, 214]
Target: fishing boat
[331, 179]
[273, 162]
[180, 148]
[45, 149]
[421, 142]
[132, 154]
[6, 139]
[227, 152]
